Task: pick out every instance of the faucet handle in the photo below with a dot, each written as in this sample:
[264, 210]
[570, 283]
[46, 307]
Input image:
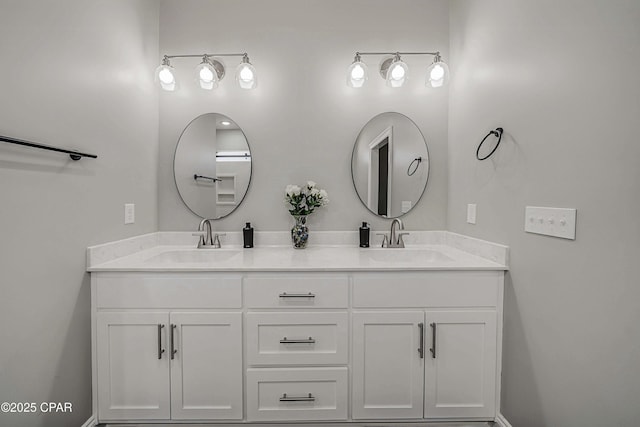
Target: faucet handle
[216, 240]
[202, 242]
[385, 239]
[401, 240]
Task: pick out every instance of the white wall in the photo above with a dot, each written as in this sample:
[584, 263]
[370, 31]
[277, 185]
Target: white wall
[562, 79]
[73, 73]
[302, 120]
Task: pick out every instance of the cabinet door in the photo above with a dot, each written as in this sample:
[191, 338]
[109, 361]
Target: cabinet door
[460, 367]
[206, 366]
[387, 369]
[133, 372]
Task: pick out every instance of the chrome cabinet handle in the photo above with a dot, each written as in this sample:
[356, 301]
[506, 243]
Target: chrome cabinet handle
[309, 398]
[173, 349]
[421, 348]
[160, 349]
[433, 341]
[310, 340]
[286, 295]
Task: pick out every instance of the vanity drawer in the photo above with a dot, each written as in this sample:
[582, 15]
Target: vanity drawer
[168, 291]
[297, 338]
[297, 394]
[428, 289]
[296, 291]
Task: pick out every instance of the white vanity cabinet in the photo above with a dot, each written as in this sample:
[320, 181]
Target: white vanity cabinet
[297, 341]
[165, 358]
[426, 347]
[297, 346]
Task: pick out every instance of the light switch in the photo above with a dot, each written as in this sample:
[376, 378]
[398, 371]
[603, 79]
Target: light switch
[129, 213]
[471, 213]
[556, 222]
[406, 206]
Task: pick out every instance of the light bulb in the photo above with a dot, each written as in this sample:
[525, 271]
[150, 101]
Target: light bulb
[397, 73]
[437, 73]
[246, 76]
[206, 75]
[357, 73]
[165, 76]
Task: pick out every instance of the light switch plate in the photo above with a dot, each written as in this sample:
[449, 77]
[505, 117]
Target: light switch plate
[471, 213]
[556, 222]
[406, 206]
[129, 213]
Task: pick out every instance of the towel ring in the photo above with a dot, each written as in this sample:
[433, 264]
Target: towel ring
[417, 162]
[497, 133]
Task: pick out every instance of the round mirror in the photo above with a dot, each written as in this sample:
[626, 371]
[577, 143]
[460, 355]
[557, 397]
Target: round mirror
[212, 166]
[390, 165]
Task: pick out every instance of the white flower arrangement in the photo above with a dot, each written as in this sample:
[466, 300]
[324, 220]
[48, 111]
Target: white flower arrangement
[304, 200]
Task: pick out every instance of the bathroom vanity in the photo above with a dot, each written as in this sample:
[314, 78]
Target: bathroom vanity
[273, 334]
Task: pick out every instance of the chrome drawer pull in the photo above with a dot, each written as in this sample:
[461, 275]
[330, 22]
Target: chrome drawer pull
[310, 340]
[286, 295]
[286, 398]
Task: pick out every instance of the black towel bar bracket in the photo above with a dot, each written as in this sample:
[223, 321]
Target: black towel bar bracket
[498, 134]
[75, 155]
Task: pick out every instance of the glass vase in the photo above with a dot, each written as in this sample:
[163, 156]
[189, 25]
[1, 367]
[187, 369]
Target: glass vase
[300, 232]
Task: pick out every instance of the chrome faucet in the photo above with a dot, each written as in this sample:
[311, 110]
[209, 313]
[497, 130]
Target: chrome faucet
[395, 238]
[207, 240]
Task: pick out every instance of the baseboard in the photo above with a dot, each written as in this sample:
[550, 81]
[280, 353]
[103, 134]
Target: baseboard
[91, 422]
[501, 421]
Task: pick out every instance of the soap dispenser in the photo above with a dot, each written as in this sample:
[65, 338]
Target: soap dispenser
[247, 235]
[364, 235]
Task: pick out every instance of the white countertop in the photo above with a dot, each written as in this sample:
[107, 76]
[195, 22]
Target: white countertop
[424, 251]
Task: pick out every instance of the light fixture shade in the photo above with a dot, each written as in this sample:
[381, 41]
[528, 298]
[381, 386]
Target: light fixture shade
[246, 76]
[206, 75]
[357, 73]
[397, 73]
[165, 77]
[437, 74]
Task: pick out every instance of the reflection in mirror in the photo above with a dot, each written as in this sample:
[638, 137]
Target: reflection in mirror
[390, 165]
[212, 166]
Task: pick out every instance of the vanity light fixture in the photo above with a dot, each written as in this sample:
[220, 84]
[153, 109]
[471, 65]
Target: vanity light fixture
[395, 71]
[206, 75]
[357, 73]
[246, 74]
[209, 72]
[165, 75]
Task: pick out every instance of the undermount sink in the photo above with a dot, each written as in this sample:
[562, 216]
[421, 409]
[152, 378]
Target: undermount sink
[195, 256]
[399, 255]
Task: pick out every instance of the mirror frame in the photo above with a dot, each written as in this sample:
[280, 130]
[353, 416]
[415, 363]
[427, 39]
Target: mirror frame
[175, 181]
[353, 152]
